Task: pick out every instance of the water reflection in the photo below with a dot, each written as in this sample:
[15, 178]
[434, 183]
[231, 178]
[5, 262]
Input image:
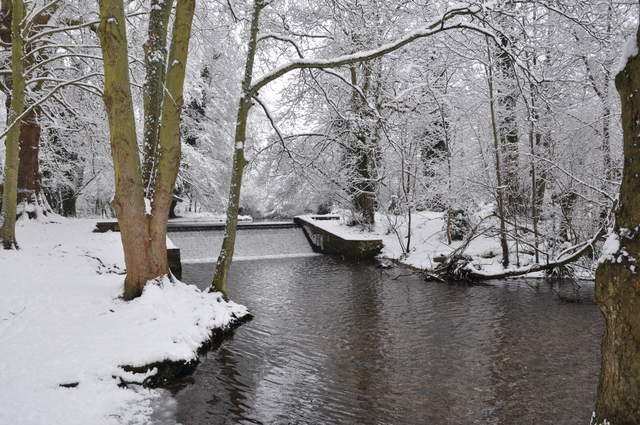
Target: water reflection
[338, 342]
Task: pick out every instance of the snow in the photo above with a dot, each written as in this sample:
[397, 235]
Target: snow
[629, 50]
[432, 28]
[428, 241]
[62, 322]
[610, 248]
[337, 225]
[189, 217]
[147, 206]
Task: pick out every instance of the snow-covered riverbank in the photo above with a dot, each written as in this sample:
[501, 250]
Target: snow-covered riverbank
[62, 323]
[427, 244]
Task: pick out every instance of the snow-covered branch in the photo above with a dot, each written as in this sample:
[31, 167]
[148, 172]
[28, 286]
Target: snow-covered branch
[438, 26]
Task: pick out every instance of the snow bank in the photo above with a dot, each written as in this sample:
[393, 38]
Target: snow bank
[428, 242]
[204, 217]
[61, 322]
[337, 225]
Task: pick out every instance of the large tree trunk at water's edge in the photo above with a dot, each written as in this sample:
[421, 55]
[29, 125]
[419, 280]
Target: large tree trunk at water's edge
[168, 163]
[128, 201]
[143, 236]
[617, 278]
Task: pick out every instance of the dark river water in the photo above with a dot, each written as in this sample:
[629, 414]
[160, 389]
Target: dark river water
[337, 342]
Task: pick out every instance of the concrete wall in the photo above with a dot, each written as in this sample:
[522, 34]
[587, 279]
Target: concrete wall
[328, 243]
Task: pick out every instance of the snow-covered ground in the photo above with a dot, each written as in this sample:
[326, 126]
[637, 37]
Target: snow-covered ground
[205, 216]
[62, 322]
[337, 225]
[428, 241]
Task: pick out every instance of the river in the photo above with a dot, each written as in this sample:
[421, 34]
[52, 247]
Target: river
[340, 342]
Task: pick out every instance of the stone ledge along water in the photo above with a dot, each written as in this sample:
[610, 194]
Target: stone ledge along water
[328, 242]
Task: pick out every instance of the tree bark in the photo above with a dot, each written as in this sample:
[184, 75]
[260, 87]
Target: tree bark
[143, 236]
[506, 114]
[30, 199]
[169, 136]
[12, 158]
[225, 257]
[498, 166]
[128, 202]
[617, 281]
[29, 182]
[155, 59]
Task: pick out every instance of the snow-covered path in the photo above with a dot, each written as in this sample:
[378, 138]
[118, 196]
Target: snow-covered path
[61, 322]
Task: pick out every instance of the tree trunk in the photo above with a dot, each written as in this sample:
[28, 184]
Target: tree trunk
[617, 281]
[128, 202]
[143, 236]
[155, 59]
[364, 198]
[609, 170]
[68, 204]
[12, 158]
[498, 166]
[169, 135]
[567, 201]
[364, 149]
[29, 182]
[225, 257]
[506, 114]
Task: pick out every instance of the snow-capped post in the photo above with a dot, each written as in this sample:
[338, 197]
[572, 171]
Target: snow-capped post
[12, 158]
[450, 20]
[143, 235]
[617, 278]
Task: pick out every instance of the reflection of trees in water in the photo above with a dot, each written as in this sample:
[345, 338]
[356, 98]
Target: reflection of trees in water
[458, 353]
[233, 400]
[336, 342]
[354, 364]
[545, 362]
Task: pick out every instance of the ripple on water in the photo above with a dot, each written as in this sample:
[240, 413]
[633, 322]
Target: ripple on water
[340, 342]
